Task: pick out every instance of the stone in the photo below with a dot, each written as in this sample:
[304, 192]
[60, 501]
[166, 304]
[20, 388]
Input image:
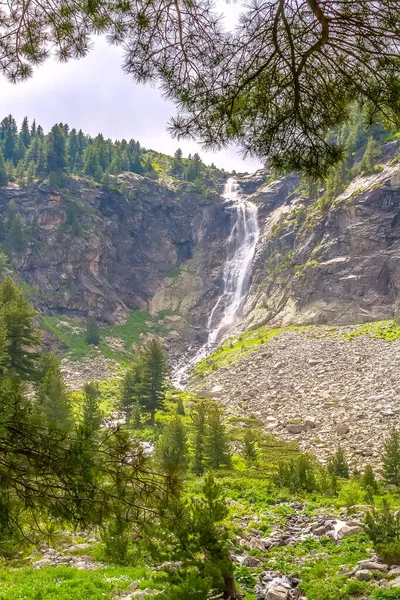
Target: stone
[375, 566]
[133, 586]
[342, 430]
[296, 427]
[250, 561]
[277, 593]
[363, 575]
[347, 531]
[394, 571]
[395, 582]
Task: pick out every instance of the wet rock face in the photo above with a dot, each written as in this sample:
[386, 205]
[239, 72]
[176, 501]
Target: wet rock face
[94, 251]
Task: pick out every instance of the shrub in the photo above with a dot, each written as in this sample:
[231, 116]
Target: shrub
[297, 475]
[92, 332]
[383, 529]
[391, 458]
[350, 495]
[338, 464]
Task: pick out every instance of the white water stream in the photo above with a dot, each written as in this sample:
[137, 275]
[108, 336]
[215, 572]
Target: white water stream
[241, 247]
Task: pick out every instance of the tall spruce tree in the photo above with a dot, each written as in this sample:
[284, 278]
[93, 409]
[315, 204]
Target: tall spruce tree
[198, 416]
[154, 373]
[217, 453]
[56, 155]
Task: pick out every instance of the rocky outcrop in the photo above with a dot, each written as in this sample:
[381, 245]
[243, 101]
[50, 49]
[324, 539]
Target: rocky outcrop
[335, 264]
[93, 250]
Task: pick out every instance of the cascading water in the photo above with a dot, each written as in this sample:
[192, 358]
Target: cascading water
[241, 247]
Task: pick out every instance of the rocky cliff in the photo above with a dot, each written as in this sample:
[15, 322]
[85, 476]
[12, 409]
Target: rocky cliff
[89, 250]
[334, 264]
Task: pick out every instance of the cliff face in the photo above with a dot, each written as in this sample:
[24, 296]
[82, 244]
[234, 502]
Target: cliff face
[336, 264]
[92, 250]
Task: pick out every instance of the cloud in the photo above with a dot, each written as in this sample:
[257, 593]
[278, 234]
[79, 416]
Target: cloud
[93, 94]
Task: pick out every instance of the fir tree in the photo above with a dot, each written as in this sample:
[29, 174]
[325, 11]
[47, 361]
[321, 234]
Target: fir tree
[391, 458]
[53, 399]
[92, 332]
[136, 416]
[154, 372]
[216, 440]
[25, 133]
[131, 389]
[338, 464]
[249, 447]
[370, 156]
[91, 406]
[198, 416]
[56, 156]
[171, 449]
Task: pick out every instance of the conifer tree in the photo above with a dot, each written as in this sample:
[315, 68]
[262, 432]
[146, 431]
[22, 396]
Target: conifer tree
[154, 373]
[249, 447]
[216, 440]
[16, 316]
[338, 464]
[131, 388]
[25, 133]
[391, 458]
[92, 332]
[91, 406]
[171, 449]
[370, 156]
[136, 416]
[53, 399]
[56, 156]
[198, 416]
[3, 171]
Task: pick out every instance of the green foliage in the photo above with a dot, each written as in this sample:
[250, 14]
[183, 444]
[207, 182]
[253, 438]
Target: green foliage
[92, 332]
[144, 381]
[198, 416]
[91, 418]
[391, 458]
[171, 451]
[338, 465]
[383, 528]
[297, 475]
[350, 494]
[52, 397]
[249, 450]
[216, 445]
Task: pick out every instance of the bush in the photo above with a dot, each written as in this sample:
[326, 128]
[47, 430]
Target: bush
[116, 541]
[350, 495]
[338, 464]
[297, 475]
[391, 458]
[92, 332]
[383, 529]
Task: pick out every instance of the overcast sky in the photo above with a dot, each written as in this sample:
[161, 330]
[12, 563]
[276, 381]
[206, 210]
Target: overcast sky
[93, 94]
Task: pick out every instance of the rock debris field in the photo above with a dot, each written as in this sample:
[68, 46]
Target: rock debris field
[319, 389]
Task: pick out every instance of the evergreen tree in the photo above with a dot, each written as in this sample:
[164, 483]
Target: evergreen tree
[338, 464]
[370, 155]
[177, 164]
[91, 406]
[9, 138]
[136, 416]
[249, 447]
[171, 451]
[180, 409]
[4, 266]
[154, 372]
[53, 400]
[391, 458]
[16, 316]
[368, 480]
[56, 155]
[25, 133]
[73, 149]
[92, 332]
[3, 171]
[131, 389]
[217, 452]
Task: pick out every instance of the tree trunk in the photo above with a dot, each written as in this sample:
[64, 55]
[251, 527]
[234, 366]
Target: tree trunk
[230, 591]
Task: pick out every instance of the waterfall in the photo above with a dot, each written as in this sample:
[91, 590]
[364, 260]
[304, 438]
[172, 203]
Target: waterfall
[242, 243]
[241, 246]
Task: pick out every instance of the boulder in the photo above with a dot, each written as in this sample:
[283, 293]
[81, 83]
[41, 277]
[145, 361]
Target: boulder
[375, 566]
[342, 429]
[250, 561]
[395, 582]
[277, 593]
[296, 427]
[363, 575]
[347, 531]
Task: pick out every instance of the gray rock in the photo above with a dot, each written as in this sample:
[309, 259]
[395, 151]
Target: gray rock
[347, 531]
[277, 593]
[364, 575]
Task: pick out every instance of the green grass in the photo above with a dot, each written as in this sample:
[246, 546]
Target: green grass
[72, 334]
[239, 346]
[66, 583]
[385, 330]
